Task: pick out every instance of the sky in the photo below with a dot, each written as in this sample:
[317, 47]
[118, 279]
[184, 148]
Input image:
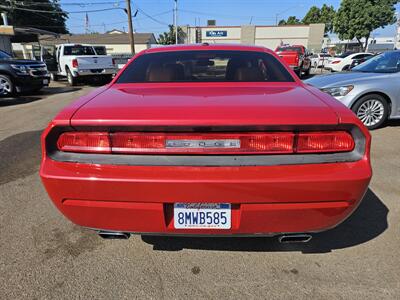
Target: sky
[155, 15]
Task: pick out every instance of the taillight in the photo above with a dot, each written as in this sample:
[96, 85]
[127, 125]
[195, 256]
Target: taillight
[335, 141]
[75, 63]
[96, 142]
[113, 61]
[206, 143]
[335, 62]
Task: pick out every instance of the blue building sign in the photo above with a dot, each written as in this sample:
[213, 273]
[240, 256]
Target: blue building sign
[216, 33]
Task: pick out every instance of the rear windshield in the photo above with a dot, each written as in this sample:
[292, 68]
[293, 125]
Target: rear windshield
[79, 50]
[100, 50]
[345, 54]
[205, 66]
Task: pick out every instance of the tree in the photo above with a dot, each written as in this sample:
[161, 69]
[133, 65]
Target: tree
[312, 16]
[292, 20]
[358, 18]
[325, 15]
[41, 14]
[328, 14]
[168, 38]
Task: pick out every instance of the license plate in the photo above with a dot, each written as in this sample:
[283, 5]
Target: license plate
[202, 215]
[45, 81]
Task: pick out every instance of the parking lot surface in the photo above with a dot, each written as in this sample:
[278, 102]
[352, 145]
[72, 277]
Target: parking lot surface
[43, 255]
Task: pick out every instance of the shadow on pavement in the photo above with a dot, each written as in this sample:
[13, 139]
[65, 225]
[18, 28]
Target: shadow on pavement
[58, 90]
[35, 96]
[392, 123]
[20, 156]
[366, 223]
[18, 100]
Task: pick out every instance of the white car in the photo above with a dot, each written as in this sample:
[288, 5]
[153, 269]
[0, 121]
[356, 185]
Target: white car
[319, 60]
[79, 62]
[343, 62]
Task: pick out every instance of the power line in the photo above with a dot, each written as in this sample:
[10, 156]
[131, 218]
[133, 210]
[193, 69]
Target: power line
[150, 17]
[61, 12]
[30, 3]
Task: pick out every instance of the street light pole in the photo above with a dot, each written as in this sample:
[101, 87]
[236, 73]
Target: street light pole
[176, 21]
[130, 26]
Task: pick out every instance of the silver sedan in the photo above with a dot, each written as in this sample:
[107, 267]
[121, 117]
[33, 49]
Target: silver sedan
[371, 90]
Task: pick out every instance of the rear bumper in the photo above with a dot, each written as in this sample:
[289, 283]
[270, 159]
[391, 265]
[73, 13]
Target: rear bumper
[265, 199]
[94, 72]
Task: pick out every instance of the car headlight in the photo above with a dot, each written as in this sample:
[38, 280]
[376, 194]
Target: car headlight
[20, 69]
[338, 91]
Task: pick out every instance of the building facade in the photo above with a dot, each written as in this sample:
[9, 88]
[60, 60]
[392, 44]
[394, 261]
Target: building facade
[310, 36]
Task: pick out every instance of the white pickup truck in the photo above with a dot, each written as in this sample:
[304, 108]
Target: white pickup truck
[80, 62]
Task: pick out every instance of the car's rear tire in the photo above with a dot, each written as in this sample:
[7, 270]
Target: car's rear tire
[107, 79]
[53, 77]
[346, 68]
[6, 86]
[72, 81]
[372, 110]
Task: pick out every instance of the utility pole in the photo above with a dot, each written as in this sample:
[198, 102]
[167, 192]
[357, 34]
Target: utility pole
[176, 21]
[130, 26]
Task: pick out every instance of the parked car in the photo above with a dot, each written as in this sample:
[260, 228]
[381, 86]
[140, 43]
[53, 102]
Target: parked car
[371, 89]
[206, 140]
[81, 63]
[359, 61]
[19, 75]
[319, 60]
[343, 62]
[297, 58]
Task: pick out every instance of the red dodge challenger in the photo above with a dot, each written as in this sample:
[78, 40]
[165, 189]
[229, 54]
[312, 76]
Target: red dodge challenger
[206, 140]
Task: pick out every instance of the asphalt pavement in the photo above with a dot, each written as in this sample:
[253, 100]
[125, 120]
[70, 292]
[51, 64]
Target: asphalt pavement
[44, 256]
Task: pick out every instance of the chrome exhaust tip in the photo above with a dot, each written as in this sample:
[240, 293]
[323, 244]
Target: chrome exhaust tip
[295, 238]
[110, 235]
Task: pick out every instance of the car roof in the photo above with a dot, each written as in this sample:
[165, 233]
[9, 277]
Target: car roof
[354, 54]
[206, 46]
[78, 44]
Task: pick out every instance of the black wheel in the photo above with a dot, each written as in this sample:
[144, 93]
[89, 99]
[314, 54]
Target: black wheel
[372, 110]
[107, 79]
[6, 85]
[346, 68]
[53, 77]
[71, 79]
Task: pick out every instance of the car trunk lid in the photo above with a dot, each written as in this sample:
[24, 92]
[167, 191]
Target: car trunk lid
[183, 104]
[290, 57]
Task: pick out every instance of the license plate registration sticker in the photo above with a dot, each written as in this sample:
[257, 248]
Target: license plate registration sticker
[202, 215]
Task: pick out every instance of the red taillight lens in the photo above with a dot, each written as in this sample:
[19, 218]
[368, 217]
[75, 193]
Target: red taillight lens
[336, 141]
[335, 62]
[96, 142]
[207, 143]
[137, 142]
[75, 63]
